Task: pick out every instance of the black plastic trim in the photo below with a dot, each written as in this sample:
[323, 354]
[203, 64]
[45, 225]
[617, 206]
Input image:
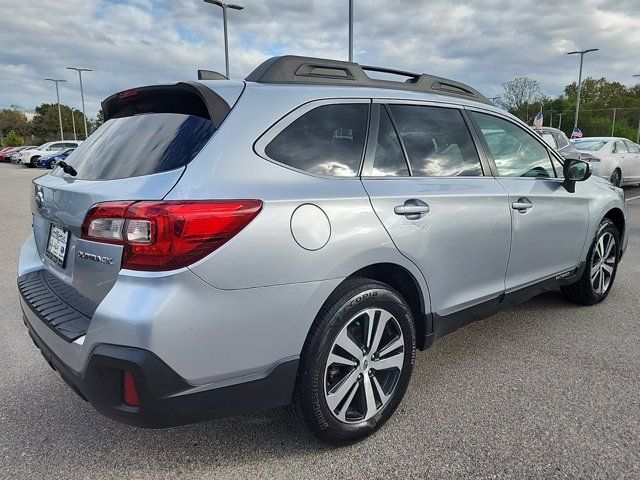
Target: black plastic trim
[443, 325]
[166, 399]
[309, 70]
[57, 304]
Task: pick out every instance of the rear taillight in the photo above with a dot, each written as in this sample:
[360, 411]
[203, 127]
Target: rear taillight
[130, 392]
[166, 235]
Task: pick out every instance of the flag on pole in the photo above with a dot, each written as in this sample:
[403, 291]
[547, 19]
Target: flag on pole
[576, 133]
[537, 122]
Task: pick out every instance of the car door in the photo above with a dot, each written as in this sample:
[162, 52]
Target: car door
[632, 160]
[426, 183]
[549, 224]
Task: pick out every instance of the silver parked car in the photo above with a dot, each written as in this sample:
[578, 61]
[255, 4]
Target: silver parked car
[616, 159]
[221, 246]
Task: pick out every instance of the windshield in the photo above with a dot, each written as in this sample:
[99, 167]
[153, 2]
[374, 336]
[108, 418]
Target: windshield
[140, 145]
[590, 145]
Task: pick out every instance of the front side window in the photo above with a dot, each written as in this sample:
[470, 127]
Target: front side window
[328, 140]
[619, 147]
[437, 141]
[516, 153]
[389, 158]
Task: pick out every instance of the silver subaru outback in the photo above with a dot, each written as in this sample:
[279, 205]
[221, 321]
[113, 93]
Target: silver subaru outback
[219, 246]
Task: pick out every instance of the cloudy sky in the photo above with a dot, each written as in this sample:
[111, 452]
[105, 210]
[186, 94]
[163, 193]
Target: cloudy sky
[140, 42]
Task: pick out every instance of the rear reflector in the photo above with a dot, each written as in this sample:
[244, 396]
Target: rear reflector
[130, 392]
[167, 235]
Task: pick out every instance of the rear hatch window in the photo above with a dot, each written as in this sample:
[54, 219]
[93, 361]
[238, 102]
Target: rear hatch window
[140, 145]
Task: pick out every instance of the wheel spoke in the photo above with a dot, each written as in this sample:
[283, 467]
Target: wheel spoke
[371, 320]
[394, 361]
[609, 246]
[594, 273]
[600, 247]
[607, 268]
[345, 342]
[391, 346]
[601, 282]
[342, 415]
[370, 400]
[340, 360]
[340, 391]
[382, 323]
[383, 396]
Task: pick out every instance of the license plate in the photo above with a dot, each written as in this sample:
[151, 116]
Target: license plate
[57, 245]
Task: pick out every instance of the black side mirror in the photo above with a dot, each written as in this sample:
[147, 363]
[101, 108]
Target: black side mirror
[575, 171]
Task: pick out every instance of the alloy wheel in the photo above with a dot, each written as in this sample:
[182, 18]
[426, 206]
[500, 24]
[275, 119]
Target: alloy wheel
[616, 178]
[603, 262]
[364, 365]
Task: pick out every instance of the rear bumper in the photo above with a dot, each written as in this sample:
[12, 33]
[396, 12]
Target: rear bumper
[166, 399]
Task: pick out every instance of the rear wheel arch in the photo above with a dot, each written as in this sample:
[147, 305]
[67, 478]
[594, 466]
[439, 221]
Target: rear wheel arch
[406, 284]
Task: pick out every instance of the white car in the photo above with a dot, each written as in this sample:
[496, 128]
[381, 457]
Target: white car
[613, 158]
[30, 156]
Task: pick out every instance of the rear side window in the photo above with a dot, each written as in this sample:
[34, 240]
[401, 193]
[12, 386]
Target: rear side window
[549, 139]
[140, 145]
[389, 158]
[437, 141]
[328, 140]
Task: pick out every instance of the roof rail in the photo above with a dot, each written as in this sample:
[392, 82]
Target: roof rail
[295, 69]
[210, 75]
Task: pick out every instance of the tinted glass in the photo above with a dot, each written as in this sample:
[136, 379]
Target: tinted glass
[549, 140]
[389, 158]
[437, 141]
[561, 140]
[328, 140]
[515, 152]
[619, 147]
[140, 145]
[589, 145]
[632, 147]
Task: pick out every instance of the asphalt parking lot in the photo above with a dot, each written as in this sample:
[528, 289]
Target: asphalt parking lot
[546, 389]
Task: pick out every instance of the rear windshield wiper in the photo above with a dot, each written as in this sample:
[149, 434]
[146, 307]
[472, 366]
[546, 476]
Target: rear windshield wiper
[66, 168]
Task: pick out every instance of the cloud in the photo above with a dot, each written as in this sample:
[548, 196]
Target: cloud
[481, 42]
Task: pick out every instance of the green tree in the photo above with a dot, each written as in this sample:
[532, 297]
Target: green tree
[12, 119]
[45, 126]
[12, 139]
[523, 97]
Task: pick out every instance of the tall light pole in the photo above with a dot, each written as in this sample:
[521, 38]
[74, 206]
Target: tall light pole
[80, 70]
[582, 53]
[638, 134]
[56, 81]
[73, 122]
[560, 120]
[224, 7]
[351, 30]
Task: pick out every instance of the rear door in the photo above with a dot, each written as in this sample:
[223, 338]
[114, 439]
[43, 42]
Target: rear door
[139, 153]
[633, 160]
[440, 205]
[549, 223]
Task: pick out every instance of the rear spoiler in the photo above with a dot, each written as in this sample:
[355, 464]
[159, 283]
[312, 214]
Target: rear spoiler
[189, 98]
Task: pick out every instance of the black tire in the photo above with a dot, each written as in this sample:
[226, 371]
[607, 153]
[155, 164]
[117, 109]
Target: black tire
[616, 177]
[346, 306]
[33, 162]
[583, 290]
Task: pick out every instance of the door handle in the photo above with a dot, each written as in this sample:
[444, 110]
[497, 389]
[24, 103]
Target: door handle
[413, 209]
[522, 205]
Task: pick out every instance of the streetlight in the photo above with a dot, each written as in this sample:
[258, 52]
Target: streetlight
[73, 122]
[56, 81]
[638, 134]
[224, 7]
[582, 53]
[351, 30]
[80, 70]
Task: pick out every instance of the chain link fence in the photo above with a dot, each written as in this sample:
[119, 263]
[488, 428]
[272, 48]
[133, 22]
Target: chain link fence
[606, 122]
